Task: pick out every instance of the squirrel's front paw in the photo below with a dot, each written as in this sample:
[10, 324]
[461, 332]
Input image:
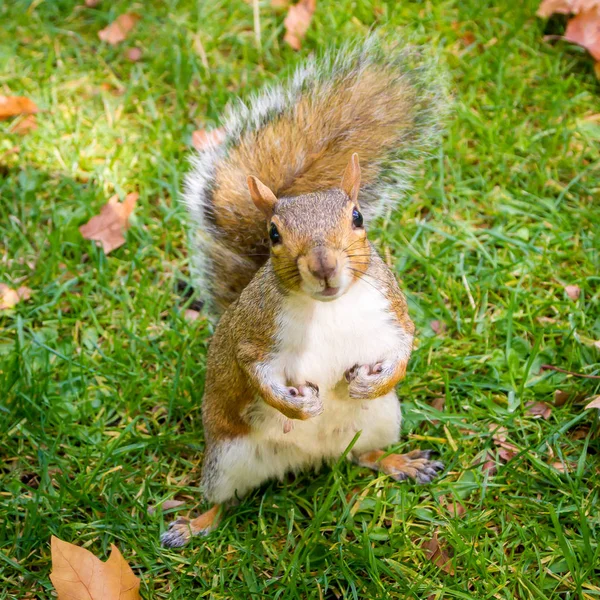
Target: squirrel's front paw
[306, 400]
[363, 381]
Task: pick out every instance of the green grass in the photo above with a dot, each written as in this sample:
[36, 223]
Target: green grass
[101, 376]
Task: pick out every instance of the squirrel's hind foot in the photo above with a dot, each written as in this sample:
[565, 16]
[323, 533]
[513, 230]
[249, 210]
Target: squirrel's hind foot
[414, 465]
[181, 531]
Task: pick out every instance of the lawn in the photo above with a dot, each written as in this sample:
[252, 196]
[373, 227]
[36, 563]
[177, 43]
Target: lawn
[101, 375]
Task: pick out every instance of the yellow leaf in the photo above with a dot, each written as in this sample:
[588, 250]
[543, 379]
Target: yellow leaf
[79, 575]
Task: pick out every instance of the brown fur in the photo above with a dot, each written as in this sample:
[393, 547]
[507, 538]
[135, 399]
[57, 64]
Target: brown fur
[304, 151]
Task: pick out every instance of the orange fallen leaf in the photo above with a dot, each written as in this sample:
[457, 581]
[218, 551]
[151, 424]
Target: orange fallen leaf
[92, 3]
[573, 291]
[108, 227]
[119, 29]
[280, 3]
[11, 106]
[297, 21]
[79, 575]
[25, 125]
[584, 30]
[10, 297]
[437, 554]
[595, 403]
[539, 409]
[202, 139]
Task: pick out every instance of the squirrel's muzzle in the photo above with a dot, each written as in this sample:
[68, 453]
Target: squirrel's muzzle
[322, 264]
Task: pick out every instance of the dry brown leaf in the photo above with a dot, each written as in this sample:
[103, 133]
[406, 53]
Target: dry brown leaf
[564, 467]
[438, 327]
[549, 7]
[11, 106]
[79, 575]
[133, 54]
[297, 21]
[201, 138]
[573, 291]
[191, 315]
[560, 397]
[539, 409]
[108, 227]
[437, 554]
[580, 433]
[24, 125]
[166, 505]
[584, 30]
[92, 3]
[119, 29]
[10, 297]
[595, 403]
[439, 403]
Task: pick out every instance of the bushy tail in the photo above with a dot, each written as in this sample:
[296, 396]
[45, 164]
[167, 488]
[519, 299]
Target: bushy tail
[379, 99]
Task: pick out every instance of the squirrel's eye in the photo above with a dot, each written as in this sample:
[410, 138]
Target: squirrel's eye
[357, 218]
[274, 234]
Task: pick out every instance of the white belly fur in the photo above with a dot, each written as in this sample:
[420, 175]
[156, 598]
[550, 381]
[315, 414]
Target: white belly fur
[319, 341]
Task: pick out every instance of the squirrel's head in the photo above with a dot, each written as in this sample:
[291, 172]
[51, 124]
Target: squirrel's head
[318, 241]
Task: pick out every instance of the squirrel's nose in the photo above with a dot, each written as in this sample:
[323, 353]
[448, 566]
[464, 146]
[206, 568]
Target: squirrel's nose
[322, 264]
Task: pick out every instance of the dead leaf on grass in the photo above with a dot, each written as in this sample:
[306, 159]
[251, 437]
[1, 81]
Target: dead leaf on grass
[438, 327]
[119, 29]
[79, 575]
[280, 3]
[166, 505]
[25, 125]
[573, 291]
[12, 106]
[438, 554]
[539, 409]
[107, 228]
[595, 403]
[561, 397]
[202, 139]
[549, 7]
[10, 297]
[297, 21]
[564, 467]
[191, 315]
[92, 3]
[438, 403]
[133, 54]
[584, 30]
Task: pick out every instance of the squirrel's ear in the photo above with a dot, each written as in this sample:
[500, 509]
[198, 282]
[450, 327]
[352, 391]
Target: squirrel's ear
[351, 178]
[264, 199]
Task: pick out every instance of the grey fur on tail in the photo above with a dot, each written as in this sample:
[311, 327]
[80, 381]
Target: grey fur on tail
[227, 233]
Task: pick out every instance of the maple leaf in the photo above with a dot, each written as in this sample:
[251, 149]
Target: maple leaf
[202, 139]
[10, 297]
[297, 21]
[119, 29]
[79, 575]
[11, 106]
[108, 227]
[584, 30]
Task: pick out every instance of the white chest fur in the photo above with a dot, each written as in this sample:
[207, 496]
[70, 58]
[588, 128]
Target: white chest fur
[318, 342]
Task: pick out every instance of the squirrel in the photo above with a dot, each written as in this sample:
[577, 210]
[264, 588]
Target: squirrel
[314, 332]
